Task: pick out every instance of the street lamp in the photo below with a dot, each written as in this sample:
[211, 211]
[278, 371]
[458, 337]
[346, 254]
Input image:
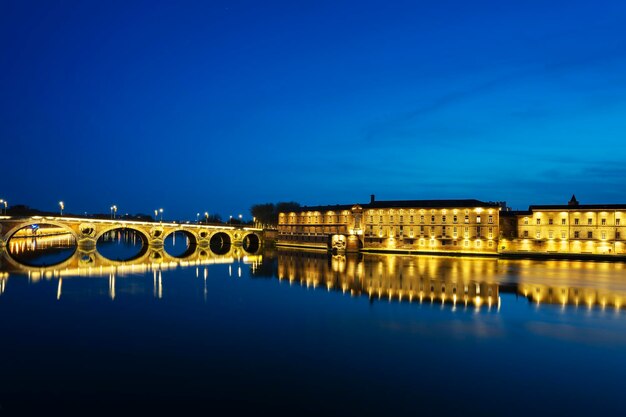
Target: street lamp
[197, 217]
[253, 221]
[240, 217]
[113, 211]
[206, 217]
[156, 213]
[61, 206]
[3, 202]
[230, 219]
[161, 211]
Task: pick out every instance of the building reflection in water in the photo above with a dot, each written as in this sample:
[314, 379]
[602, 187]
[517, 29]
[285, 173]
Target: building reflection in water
[464, 281]
[458, 280]
[453, 281]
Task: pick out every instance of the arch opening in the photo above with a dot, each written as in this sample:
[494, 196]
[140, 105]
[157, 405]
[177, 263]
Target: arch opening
[122, 244]
[251, 243]
[41, 244]
[180, 244]
[220, 243]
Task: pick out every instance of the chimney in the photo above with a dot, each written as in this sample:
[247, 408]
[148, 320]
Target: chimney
[372, 198]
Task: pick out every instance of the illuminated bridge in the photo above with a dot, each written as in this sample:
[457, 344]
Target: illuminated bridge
[84, 233]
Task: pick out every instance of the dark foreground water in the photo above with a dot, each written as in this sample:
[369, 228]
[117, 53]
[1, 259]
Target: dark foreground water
[292, 333]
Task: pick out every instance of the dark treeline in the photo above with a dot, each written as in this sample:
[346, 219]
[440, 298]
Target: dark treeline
[267, 214]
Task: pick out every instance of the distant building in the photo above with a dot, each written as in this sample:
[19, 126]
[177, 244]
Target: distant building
[569, 228]
[463, 226]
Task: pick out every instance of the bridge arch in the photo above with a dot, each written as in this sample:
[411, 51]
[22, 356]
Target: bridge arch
[145, 238]
[193, 242]
[220, 243]
[251, 242]
[13, 230]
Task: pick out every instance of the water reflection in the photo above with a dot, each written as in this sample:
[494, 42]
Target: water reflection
[121, 245]
[449, 281]
[452, 280]
[42, 244]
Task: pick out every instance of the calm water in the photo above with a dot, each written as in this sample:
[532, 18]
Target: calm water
[285, 332]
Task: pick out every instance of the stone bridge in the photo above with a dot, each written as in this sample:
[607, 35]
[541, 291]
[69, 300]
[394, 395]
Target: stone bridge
[87, 231]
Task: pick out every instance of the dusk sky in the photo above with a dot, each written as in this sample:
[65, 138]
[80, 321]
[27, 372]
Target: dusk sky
[215, 106]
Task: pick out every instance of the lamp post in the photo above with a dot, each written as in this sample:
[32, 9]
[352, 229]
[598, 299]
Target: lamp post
[113, 211]
[206, 217]
[197, 217]
[253, 221]
[61, 206]
[161, 211]
[3, 202]
[156, 213]
[230, 219]
[240, 219]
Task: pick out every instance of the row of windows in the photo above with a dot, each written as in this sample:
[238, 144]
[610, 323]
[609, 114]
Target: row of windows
[577, 235]
[444, 232]
[466, 243]
[432, 219]
[603, 221]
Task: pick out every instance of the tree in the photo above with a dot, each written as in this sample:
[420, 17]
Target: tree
[267, 214]
[264, 213]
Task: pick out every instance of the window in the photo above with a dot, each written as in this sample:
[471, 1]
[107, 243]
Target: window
[562, 221]
[478, 231]
[432, 219]
[421, 219]
[538, 236]
[617, 235]
[466, 234]
[466, 219]
[454, 219]
[550, 221]
[525, 233]
[491, 243]
[411, 219]
[371, 219]
[477, 219]
[390, 219]
[490, 219]
[589, 220]
[401, 219]
[422, 229]
[443, 231]
[538, 221]
[576, 235]
[603, 222]
[563, 235]
[380, 219]
[466, 243]
[616, 222]
[478, 243]
[443, 219]
[550, 234]
[525, 220]
[589, 235]
[576, 221]
[603, 235]
[454, 233]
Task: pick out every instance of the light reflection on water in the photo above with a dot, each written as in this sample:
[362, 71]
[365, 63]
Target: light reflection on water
[382, 334]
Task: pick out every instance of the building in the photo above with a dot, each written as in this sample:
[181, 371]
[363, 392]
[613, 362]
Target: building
[569, 228]
[463, 226]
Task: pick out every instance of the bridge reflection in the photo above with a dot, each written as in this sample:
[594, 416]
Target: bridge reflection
[479, 283]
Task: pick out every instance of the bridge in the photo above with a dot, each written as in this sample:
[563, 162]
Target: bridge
[87, 231]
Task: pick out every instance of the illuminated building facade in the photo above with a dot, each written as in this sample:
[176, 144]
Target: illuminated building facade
[572, 228]
[463, 226]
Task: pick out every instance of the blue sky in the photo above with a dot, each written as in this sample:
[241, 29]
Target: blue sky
[214, 106]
